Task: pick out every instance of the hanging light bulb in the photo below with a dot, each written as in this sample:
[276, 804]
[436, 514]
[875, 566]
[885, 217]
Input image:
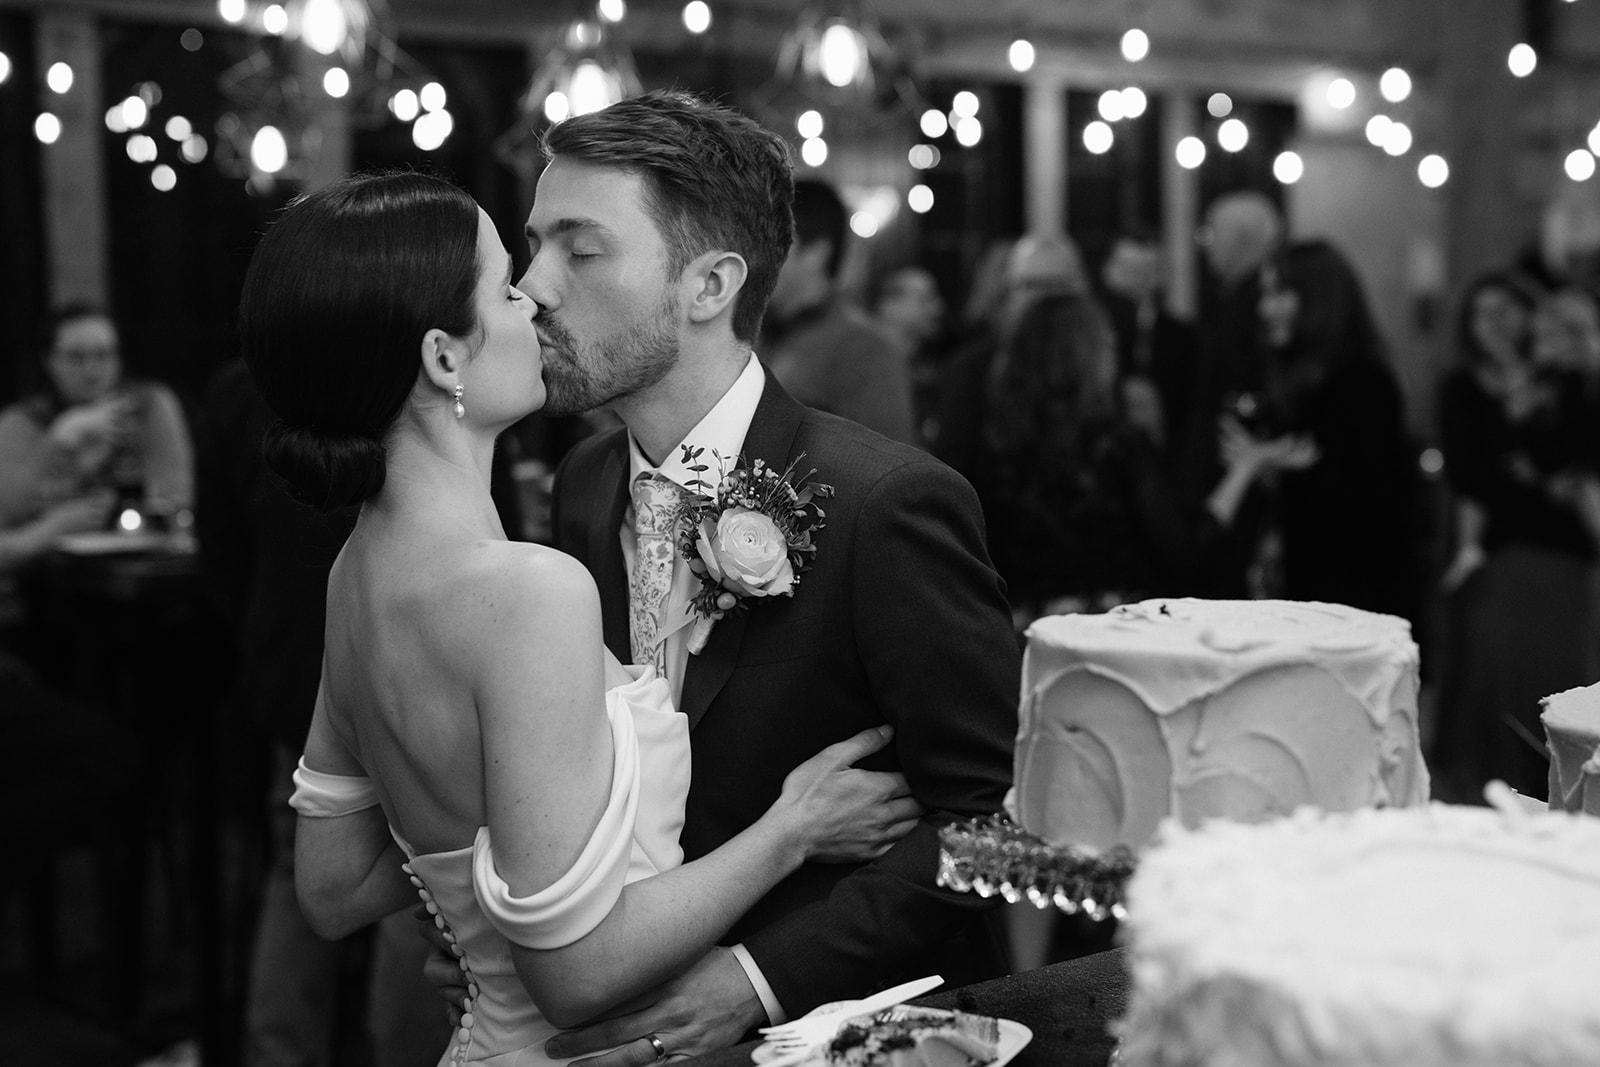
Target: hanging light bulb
[696, 17]
[1135, 45]
[1020, 55]
[1395, 85]
[323, 25]
[47, 128]
[59, 78]
[269, 152]
[1433, 171]
[1522, 60]
[1190, 152]
[843, 57]
[1288, 167]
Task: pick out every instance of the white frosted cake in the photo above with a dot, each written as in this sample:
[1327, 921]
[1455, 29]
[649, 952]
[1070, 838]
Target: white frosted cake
[1572, 731]
[1439, 936]
[1199, 709]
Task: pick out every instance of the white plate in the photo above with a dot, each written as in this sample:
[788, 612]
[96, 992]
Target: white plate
[110, 542]
[1014, 1037]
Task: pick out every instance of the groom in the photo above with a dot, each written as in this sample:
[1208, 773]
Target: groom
[657, 232]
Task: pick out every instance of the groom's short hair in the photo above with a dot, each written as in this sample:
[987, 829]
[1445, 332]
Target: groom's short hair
[714, 179]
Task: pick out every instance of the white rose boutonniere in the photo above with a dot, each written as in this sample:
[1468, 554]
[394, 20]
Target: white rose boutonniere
[751, 536]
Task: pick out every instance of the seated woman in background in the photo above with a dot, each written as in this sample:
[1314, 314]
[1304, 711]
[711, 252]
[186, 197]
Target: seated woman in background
[91, 429]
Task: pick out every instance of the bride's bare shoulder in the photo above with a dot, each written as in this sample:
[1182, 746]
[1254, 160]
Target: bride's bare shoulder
[526, 571]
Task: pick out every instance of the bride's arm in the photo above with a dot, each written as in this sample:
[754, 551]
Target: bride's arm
[547, 776]
[347, 867]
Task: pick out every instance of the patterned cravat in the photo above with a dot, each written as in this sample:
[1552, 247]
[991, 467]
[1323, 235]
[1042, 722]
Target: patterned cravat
[655, 502]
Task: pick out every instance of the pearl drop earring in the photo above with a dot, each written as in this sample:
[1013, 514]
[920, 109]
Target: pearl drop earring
[460, 408]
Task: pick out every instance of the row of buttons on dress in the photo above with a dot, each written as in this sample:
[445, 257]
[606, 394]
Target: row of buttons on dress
[468, 1018]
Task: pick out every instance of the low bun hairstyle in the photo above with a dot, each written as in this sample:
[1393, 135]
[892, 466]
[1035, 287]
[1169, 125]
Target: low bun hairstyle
[337, 298]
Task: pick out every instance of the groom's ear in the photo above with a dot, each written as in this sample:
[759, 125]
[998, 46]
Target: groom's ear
[714, 280]
[443, 356]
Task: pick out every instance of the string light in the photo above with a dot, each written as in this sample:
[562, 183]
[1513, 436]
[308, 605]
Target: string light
[1397, 139]
[1135, 45]
[933, 123]
[59, 78]
[612, 10]
[1433, 171]
[1233, 135]
[969, 131]
[696, 17]
[232, 11]
[809, 124]
[1522, 60]
[1378, 129]
[1395, 85]
[1218, 105]
[1110, 105]
[1134, 102]
[1190, 152]
[47, 128]
[178, 128]
[275, 20]
[1341, 93]
[923, 156]
[1288, 167]
[336, 82]
[1580, 164]
[1020, 55]
[864, 223]
[964, 104]
[163, 177]
[814, 151]
[919, 198]
[1098, 137]
[432, 97]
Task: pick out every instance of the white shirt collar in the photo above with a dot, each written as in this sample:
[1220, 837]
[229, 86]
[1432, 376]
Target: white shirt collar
[721, 433]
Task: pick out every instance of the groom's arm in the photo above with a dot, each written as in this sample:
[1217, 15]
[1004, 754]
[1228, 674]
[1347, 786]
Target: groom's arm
[935, 635]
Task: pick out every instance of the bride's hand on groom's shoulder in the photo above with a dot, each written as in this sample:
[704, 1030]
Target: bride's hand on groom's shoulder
[844, 814]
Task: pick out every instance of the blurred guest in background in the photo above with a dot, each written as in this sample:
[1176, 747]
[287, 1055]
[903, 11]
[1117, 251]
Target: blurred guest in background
[90, 428]
[825, 352]
[1348, 516]
[1241, 237]
[266, 559]
[1518, 425]
[1034, 266]
[1155, 349]
[905, 301]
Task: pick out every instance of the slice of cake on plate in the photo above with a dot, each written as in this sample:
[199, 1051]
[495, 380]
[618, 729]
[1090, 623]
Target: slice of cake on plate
[907, 1036]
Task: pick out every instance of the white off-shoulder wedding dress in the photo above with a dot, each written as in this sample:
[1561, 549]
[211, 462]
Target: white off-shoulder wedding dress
[637, 836]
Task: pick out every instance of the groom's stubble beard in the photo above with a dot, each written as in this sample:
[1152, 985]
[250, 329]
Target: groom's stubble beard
[581, 377]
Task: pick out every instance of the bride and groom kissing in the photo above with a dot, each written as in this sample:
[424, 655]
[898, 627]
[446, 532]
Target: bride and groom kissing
[533, 740]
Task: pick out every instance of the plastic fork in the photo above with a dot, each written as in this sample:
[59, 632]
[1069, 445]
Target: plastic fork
[804, 1033]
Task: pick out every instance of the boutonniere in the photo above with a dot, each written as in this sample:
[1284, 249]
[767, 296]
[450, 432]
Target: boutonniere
[750, 535]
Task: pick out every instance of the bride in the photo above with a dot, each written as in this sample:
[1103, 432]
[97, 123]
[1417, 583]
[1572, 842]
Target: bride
[473, 741]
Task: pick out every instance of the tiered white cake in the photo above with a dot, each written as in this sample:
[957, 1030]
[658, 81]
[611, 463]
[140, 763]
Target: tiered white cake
[1430, 937]
[1572, 730]
[1200, 709]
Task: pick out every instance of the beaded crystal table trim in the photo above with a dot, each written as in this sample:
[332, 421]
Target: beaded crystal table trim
[992, 856]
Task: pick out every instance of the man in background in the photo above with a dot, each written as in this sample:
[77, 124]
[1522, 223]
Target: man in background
[826, 353]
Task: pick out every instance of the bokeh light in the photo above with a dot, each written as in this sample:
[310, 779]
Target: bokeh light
[919, 198]
[1097, 137]
[1433, 171]
[696, 16]
[163, 177]
[59, 77]
[1190, 152]
[1580, 165]
[809, 124]
[1522, 60]
[1020, 55]
[813, 151]
[1395, 85]
[47, 128]
[1341, 93]
[1233, 135]
[1135, 45]
[1288, 167]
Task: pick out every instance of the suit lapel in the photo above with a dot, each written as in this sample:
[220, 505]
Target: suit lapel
[605, 549]
[770, 437]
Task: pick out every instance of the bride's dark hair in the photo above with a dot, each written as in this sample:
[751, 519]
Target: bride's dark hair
[338, 296]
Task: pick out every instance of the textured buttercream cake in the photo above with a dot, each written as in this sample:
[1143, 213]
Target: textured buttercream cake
[1199, 709]
[1572, 731]
[1440, 936]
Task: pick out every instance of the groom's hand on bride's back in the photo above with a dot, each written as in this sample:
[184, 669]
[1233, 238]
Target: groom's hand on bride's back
[849, 815]
[441, 970]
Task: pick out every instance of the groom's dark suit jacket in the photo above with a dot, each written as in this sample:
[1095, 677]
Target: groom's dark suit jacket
[901, 619]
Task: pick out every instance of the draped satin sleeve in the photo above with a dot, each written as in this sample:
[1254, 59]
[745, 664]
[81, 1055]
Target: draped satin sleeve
[318, 795]
[575, 903]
